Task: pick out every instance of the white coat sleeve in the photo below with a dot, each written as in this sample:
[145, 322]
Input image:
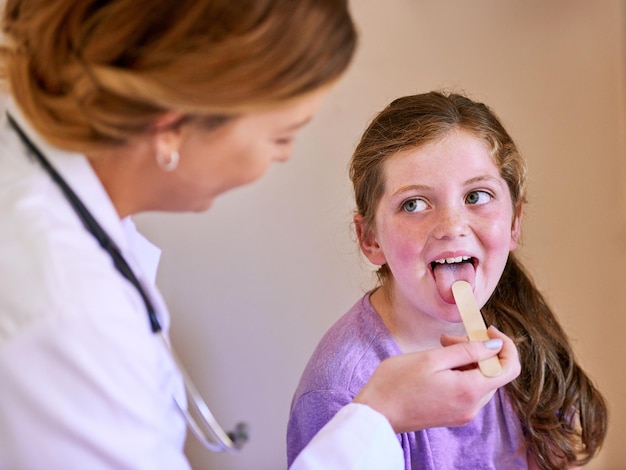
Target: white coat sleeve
[357, 438]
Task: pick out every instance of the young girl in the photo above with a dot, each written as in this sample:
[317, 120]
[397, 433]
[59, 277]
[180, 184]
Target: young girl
[439, 187]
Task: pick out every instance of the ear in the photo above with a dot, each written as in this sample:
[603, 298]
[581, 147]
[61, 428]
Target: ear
[368, 242]
[167, 132]
[516, 228]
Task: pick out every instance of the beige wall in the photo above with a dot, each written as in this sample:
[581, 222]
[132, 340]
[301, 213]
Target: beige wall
[254, 283]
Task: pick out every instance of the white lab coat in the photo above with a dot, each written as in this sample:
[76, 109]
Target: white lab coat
[84, 383]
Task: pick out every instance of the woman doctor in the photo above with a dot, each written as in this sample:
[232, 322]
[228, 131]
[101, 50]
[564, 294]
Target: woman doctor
[123, 106]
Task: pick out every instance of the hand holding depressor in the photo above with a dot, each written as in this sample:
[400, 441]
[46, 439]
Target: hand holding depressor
[439, 387]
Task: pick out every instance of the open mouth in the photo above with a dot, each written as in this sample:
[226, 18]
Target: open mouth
[457, 260]
[446, 271]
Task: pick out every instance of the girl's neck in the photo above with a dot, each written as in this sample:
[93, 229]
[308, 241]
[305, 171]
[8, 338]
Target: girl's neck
[411, 329]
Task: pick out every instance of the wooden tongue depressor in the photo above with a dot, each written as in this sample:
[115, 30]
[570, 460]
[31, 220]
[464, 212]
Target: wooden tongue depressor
[474, 324]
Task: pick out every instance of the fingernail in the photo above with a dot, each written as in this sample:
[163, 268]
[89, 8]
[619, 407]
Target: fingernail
[493, 343]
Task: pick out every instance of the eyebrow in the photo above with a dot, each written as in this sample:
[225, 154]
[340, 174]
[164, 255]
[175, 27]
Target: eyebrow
[478, 179]
[411, 187]
[423, 187]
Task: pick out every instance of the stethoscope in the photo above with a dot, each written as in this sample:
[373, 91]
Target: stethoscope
[205, 428]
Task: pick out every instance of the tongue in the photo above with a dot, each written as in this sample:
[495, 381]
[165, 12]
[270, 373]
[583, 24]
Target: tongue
[448, 274]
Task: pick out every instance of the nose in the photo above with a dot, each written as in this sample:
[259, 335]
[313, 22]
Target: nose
[451, 222]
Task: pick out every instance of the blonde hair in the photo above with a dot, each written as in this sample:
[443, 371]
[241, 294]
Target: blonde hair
[563, 415]
[90, 74]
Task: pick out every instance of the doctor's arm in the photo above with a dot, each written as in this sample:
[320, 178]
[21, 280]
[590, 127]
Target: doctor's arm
[408, 392]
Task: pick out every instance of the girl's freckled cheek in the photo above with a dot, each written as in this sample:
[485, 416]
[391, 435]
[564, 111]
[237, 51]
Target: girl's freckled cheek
[406, 251]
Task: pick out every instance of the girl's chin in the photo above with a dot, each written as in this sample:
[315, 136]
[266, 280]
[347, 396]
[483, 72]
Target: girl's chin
[453, 318]
[449, 313]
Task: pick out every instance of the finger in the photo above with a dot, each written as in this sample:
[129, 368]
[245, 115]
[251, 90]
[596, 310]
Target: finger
[508, 355]
[449, 340]
[465, 353]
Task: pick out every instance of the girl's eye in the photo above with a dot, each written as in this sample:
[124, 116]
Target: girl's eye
[478, 197]
[414, 205]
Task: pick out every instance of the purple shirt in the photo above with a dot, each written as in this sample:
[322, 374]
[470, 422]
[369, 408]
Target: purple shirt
[343, 362]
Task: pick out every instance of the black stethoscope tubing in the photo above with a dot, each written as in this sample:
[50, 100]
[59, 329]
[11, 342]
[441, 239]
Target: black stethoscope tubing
[92, 226]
